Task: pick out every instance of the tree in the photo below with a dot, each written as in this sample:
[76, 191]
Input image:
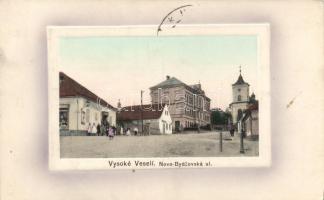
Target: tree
[218, 117]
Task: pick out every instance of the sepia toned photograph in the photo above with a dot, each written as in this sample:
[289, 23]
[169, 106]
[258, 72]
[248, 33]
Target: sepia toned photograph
[158, 96]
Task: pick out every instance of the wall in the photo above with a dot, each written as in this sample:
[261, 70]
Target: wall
[255, 122]
[165, 120]
[179, 104]
[234, 109]
[79, 105]
[154, 125]
[245, 93]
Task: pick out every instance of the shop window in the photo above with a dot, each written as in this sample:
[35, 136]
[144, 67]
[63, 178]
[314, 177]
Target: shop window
[64, 118]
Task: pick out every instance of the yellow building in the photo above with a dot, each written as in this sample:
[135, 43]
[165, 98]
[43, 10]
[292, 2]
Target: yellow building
[79, 108]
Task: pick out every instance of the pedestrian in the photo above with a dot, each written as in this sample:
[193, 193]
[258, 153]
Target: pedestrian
[107, 131]
[121, 131]
[135, 130]
[111, 133]
[98, 129]
[89, 129]
[114, 130]
[128, 133]
[93, 129]
[232, 131]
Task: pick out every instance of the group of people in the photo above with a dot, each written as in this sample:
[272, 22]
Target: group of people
[110, 131]
[125, 132]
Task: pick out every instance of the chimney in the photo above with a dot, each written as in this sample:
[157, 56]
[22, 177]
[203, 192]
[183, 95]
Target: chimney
[167, 77]
[119, 105]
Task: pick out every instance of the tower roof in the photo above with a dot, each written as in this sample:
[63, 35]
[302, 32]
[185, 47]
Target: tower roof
[240, 80]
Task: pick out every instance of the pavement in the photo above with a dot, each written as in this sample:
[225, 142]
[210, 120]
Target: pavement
[189, 144]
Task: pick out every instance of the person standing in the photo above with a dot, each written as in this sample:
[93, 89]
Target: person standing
[114, 130]
[98, 129]
[93, 129]
[107, 130]
[135, 130]
[89, 129]
[232, 130]
[111, 133]
[121, 131]
[128, 133]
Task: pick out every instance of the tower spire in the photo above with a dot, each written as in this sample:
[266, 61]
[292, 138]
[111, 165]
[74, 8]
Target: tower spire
[240, 70]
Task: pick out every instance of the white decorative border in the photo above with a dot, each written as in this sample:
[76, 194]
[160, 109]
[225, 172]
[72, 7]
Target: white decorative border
[262, 31]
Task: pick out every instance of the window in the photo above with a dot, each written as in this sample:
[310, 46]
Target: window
[64, 118]
[82, 117]
[239, 90]
[239, 98]
[87, 116]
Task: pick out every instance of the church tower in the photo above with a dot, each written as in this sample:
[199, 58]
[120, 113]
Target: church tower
[240, 102]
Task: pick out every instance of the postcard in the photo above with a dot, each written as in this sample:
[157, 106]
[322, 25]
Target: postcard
[151, 97]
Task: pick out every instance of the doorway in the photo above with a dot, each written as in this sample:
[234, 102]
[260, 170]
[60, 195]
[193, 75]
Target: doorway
[177, 125]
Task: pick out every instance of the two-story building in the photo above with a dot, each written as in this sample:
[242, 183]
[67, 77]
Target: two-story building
[188, 105]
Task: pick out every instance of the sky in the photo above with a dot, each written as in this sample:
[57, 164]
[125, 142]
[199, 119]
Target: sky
[120, 67]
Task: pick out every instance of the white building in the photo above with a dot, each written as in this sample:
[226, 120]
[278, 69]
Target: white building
[79, 107]
[251, 121]
[156, 118]
[241, 96]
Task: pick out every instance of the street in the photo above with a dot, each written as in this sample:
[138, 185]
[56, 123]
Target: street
[176, 145]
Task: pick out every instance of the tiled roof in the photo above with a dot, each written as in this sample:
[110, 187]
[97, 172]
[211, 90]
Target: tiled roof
[240, 81]
[169, 82]
[135, 112]
[251, 107]
[254, 106]
[71, 88]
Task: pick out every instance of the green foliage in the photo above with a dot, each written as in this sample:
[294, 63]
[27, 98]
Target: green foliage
[219, 117]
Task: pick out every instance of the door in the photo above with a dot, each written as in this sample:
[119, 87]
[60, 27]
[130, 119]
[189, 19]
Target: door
[177, 125]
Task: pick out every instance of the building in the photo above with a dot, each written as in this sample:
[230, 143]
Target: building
[156, 118]
[251, 120]
[240, 92]
[79, 107]
[189, 106]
